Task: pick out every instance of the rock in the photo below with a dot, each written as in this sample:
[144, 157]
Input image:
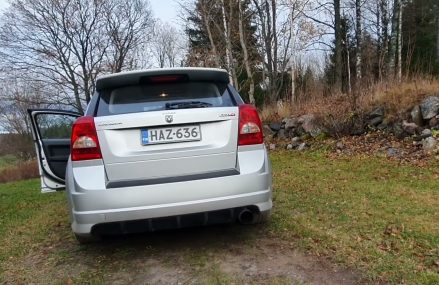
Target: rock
[429, 144]
[377, 112]
[398, 131]
[358, 129]
[295, 140]
[392, 152]
[309, 125]
[430, 107]
[382, 127]
[272, 146]
[291, 123]
[416, 116]
[426, 133]
[375, 121]
[275, 126]
[340, 145]
[289, 146]
[301, 147]
[267, 131]
[281, 134]
[434, 122]
[410, 128]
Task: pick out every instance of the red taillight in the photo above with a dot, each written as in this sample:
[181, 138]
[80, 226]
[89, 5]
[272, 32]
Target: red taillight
[250, 126]
[84, 142]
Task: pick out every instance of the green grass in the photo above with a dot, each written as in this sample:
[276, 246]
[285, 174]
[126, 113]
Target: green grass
[368, 213]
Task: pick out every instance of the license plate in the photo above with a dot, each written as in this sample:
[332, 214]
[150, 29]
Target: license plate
[170, 135]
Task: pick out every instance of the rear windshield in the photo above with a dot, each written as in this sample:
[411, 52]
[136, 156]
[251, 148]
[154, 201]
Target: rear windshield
[156, 97]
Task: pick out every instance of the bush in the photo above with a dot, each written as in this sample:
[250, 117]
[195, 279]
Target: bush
[20, 171]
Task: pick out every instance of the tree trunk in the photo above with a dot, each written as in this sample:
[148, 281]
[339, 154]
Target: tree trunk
[348, 64]
[293, 84]
[437, 47]
[384, 57]
[248, 70]
[399, 43]
[228, 40]
[437, 44]
[394, 40]
[338, 46]
[358, 36]
[206, 20]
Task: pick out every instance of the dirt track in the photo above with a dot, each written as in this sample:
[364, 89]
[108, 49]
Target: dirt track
[230, 254]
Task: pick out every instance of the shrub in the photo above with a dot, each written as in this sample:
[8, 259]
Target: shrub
[20, 171]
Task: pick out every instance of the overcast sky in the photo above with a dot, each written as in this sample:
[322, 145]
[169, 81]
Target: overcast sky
[166, 10]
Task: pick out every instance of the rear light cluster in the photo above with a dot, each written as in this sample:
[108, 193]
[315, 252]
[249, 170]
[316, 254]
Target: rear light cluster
[84, 141]
[250, 126]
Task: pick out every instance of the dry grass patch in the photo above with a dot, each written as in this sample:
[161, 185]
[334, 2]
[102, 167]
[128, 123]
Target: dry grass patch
[20, 171]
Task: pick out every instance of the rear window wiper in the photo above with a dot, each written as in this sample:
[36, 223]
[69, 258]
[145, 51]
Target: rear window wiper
[187, 105]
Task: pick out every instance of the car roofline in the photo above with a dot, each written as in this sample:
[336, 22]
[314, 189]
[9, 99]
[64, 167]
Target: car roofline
[133, 77]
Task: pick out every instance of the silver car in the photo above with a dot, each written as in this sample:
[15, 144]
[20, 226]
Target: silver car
[156, 149]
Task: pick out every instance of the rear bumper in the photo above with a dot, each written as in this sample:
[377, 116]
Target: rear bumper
[252, 187]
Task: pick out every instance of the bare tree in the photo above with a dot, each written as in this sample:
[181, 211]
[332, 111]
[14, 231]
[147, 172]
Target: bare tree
[338, 46]
[166, 46]
[128, 25]
[68, 43]
[384, 48]
[227, 19]
[248, 68]
[359, 38]
[396, 41]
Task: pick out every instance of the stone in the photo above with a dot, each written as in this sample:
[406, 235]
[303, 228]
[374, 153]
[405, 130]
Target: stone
[429, 107]
[426, 133]
[301, 147]
[398, 131]
[340, 145]
[291, 123]
[410, 128]
[281, 134]
[295, 142]
[375, 121]
[267, 131]
[416, 116]
[429, 144]
[309, 125]
[434, 122]
[382, 127]
[272, 146]
[275, 126]
[392, 152]
[289, 147]
[358, 129]
[377, 112]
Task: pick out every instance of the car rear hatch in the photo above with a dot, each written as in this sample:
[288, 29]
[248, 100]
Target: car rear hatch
[167, 128]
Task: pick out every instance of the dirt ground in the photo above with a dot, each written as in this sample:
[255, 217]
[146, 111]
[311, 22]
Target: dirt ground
[228, 254]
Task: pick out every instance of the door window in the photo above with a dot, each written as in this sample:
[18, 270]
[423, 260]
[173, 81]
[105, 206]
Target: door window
[55, 126]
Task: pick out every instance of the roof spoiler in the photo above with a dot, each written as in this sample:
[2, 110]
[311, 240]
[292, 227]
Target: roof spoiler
[135, 77]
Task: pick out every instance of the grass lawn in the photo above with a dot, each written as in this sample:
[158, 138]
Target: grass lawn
[367, 213]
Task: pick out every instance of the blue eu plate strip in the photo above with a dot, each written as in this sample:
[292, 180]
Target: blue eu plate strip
[145, 139]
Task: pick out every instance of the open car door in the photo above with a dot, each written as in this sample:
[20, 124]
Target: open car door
[51, 131]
